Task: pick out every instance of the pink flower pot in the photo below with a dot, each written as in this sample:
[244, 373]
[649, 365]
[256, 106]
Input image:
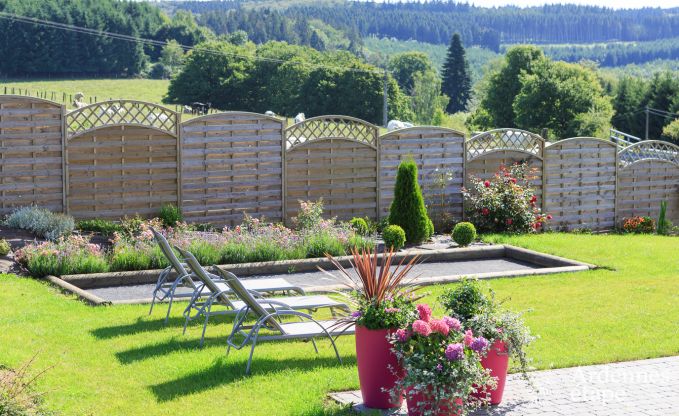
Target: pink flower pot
[376, 366]
[445, 407]
[497, 361]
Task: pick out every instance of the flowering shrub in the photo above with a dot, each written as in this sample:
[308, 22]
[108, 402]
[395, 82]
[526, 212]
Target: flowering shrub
[485, 316]
[310, 215]
[441, 363]
[5, 248]
[639, 225]
[71, 255]
[505, 203]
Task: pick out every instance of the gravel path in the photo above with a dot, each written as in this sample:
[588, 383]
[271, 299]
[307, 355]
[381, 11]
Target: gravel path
[319, 280]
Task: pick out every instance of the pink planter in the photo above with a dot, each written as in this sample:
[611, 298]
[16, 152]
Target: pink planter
[445, 408]
[375, 358]
[497, 361]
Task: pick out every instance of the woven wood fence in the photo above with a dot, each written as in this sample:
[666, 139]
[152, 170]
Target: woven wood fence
[232, 163]
[648, 174]
[580, 183]
[439, 155]
[121, 159]
[334, 158]
[31, 153]
[118, 158]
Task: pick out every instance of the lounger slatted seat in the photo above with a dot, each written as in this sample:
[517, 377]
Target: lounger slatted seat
[167, 288]
[218, 291]
[270, 320]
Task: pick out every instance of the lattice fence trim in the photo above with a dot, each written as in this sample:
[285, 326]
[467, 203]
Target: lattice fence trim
[505, 139]
[324, 127]
[649, 150]
[121, 112]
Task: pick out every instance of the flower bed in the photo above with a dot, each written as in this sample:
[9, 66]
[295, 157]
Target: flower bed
[253, 241]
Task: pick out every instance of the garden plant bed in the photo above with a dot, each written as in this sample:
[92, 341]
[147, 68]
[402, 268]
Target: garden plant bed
[437, 266]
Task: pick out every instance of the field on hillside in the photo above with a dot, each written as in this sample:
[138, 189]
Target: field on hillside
[151, 90]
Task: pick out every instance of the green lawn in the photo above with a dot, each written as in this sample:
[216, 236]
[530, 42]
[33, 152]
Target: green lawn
[118, 361]
[150, 90]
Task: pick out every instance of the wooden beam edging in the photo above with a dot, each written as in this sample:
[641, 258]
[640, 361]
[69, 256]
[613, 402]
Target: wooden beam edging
[83, 294]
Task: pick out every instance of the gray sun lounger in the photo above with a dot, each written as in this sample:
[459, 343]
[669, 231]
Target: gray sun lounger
[270, 319]
[167, 288]
[218, 291]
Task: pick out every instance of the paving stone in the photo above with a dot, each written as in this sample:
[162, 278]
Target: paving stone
[635, 388]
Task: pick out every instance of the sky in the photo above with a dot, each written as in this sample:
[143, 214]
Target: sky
[617, 4]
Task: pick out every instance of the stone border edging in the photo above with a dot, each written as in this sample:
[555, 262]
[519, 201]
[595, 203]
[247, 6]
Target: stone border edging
[96, 280]
[83, 294]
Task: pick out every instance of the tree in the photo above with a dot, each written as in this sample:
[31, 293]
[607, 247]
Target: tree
[316, 41]
[565, 98]
[172, 55]
[457, 82]
[426, 100]
[407, 209]
[404, 66]
[628, 101]
[671, 131]
[503, 85]
[661, 95]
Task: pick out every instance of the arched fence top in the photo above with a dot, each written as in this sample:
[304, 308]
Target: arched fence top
[422, 129]
[233, 115]
[585, 139]
[331, 126]
[6, 98]
[649, 150]
[505, 139]
[120, 112]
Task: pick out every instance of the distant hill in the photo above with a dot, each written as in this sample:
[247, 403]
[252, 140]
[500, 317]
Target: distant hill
[435, 22]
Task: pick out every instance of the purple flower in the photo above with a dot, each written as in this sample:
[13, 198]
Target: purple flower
[452, 323]
[392, 310]
[454, 351]
[402, 335]
[356, 314]
[479, 344]
[439, 367]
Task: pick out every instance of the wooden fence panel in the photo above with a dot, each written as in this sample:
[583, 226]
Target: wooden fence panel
[439, 155]
[31, 151]
[643, 185]
[232, 163]
[121, 170]
[341, 171]
[580, 176]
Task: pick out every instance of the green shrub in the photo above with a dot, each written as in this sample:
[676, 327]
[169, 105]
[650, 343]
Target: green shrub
[464, 233]
[359, 243]
[663, 227]
[430, 227]
[382, 224]
[360, 225]
[408, 210]
[207, 254]
[132, 225]
[464, 301]
[105, 227]
[41, 222]
[394, 237]
[128, 257]
[170, 215]
[4, 247]
[639, 225]
[319, 244]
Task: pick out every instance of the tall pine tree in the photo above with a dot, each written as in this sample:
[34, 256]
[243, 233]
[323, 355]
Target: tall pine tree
[457, 83]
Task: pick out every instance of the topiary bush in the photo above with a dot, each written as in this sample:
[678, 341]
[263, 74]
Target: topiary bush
[4, 247]
[464, 233]
[394, 237]
[408, 210]
[170, 215]
[360, 225]
[430, 228]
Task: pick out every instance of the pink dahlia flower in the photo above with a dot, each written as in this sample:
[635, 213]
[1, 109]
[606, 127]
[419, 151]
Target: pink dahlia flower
[402, 335]
[468, 337]
[440, 326]
[452, 323]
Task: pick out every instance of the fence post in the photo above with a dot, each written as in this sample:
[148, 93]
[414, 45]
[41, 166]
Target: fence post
[617, 187]
[378, 171]
[64, 161]
[284, 164]
[178, 133]
[544, 177]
